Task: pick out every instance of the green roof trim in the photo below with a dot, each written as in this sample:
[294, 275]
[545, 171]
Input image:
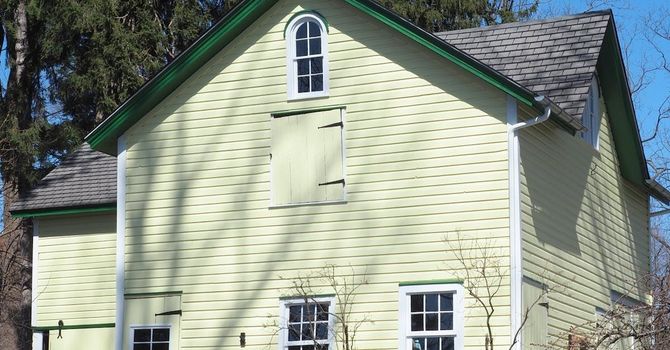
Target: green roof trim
[430, 282]
[614, 85]
[103, 138]
[76, 326]
[106, 208]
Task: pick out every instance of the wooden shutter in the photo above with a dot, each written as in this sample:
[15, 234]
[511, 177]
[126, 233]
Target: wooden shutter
[534, 333]
[307, 158]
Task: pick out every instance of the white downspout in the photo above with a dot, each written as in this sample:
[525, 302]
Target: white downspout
[120, 241]
[516, 269]
[37, 336]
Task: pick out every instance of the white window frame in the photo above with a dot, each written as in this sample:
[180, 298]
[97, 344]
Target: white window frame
[405, 332]
[591, 117]
[291, 59]
[133, 327]
[284, 308]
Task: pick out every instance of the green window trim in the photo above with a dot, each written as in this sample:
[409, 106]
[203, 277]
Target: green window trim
[70, 327]
[65, 211]
[430, 282]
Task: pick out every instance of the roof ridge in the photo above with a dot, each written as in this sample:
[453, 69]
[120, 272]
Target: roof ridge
[530, 22]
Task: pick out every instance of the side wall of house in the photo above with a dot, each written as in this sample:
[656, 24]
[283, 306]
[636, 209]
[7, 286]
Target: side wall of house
[76, 274]
[426, 160]
[585, 228]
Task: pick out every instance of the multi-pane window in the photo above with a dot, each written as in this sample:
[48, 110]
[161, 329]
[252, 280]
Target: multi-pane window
[307, 158]
[431, 317]
[151, 338]
[591, 116]
[307, 57]
[307, 326]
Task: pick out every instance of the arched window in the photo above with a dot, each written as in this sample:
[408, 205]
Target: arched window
[307, 57]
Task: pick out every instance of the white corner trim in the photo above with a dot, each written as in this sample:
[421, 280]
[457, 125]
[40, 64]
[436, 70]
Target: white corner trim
[404, 293]
[516, 272]
[37, 336]
[120, 240]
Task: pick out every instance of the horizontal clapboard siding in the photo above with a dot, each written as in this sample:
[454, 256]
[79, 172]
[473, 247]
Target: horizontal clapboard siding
[584, 226]
[76, 270]
[426, 160]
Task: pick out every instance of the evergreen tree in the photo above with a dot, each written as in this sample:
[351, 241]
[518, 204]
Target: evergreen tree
[441, 15]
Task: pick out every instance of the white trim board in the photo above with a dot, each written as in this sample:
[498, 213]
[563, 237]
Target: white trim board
[120, 241]
[37, 336]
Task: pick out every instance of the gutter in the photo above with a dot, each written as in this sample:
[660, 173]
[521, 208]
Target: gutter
[514, 160]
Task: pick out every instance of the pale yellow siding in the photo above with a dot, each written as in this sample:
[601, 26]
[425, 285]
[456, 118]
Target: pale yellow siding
[425, 158]
[584, 226]
[76, 280]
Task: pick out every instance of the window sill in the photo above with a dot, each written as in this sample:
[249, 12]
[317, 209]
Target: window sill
[309, 96]
[306, 204]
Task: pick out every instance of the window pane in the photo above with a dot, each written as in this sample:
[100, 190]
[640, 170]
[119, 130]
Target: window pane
[162, 346]
[447, 344]
[321, 331]
[418, 343]
[417, 322]
[315, 46]
[294, 313]
[433, 344]
[302, 31]
[294, 332]
[301, 48]
[303, 84]
[141, 347]
[316, 65]
[161, 334]
[293, 348]
[303, 66]
[431, 302]
[308, 312]
[417, 303]
[317, 82]
[431, 322]
[306, 331]
[314, 30]
[446, 302]
[446, 321]
[323, 312]
[142, 335]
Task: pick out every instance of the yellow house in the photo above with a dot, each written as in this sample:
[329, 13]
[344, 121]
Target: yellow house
[299, 134]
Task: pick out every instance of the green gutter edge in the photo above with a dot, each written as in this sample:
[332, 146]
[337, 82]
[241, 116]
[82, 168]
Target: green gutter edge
[427, 282]
[76, 326]
[64, 211]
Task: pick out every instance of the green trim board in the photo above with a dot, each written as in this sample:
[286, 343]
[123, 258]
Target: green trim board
[65, 211]
[305, 111]
[429, 282]
[295, 297]
[76, 326]
[152, 294]
[103, 138]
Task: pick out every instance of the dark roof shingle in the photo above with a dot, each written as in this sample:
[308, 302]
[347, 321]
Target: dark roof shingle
[83, 179]
[555, 57]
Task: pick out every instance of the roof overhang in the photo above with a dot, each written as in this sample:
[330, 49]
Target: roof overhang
[80, 210]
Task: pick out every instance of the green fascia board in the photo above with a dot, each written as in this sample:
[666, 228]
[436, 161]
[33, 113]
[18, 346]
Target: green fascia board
[106, 208]
[76, 326]
[432, 282]
[614, 85]
[104, 137]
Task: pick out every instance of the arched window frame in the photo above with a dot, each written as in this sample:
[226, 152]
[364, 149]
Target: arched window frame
[292, 58]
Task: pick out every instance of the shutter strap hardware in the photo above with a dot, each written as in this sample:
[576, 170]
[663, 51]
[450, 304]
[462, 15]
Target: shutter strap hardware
[340, 124]
[340, 181]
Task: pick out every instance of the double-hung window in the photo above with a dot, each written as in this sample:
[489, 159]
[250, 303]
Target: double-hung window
[307, 57]
[150, 338]
[307, 325]
[431, 317]
[307, 158]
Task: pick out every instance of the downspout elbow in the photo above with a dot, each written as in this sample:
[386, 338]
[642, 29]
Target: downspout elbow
[535, 121]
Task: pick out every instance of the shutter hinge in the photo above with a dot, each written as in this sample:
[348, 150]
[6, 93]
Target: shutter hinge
[340, 181]
[340, 124]
[169, 313]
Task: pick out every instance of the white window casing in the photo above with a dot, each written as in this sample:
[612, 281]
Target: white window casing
[307, 57]
[321, 324]
[410, 339]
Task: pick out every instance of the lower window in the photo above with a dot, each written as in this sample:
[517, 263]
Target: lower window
[307, 326]
[150, 338]
[431, 317]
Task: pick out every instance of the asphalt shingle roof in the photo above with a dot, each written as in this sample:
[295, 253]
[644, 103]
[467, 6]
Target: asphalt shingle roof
[555, 57]
[85, 178]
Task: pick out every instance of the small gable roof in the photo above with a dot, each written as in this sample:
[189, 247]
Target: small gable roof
[84, 180]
